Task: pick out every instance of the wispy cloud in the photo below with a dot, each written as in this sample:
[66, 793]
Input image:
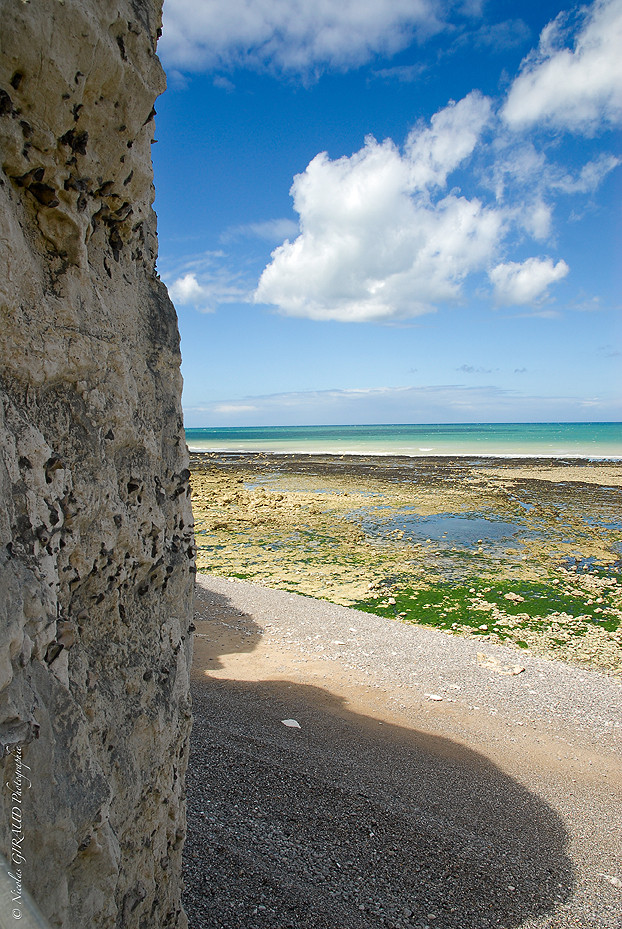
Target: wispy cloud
[403, 74]
[205, 281]
[500, 36]
[577, 88]
[295, 37]
[271, 230]
[589, 177]
[233, 409]
[473, 369]
[522, 175]
[426, 404]
[609, 351]
[224, 83]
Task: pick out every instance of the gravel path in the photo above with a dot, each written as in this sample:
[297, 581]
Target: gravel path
[431, 782]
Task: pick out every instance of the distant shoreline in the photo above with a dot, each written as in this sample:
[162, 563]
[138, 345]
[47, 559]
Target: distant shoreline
[200, 457]
[483, 441]
[427, 456]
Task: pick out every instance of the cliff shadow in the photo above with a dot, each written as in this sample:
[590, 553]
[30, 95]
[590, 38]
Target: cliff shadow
[348, 822]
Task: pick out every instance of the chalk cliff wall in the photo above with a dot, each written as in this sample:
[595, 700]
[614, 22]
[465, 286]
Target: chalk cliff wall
[96, 543]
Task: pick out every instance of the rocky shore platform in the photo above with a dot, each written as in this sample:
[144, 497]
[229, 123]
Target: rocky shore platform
[522, 552]
[349, 771]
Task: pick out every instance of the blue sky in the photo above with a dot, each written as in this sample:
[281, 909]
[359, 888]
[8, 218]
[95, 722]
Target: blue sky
[393, 210]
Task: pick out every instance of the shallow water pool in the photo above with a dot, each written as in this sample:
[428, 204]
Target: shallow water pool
[463, 529]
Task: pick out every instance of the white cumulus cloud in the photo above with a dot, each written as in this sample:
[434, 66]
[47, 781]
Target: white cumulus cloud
[374, 244]
[186, 289]
[520, 283]
[577, 88]
[295, 36]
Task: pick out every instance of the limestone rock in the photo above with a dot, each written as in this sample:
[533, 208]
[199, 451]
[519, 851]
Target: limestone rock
[96, 540]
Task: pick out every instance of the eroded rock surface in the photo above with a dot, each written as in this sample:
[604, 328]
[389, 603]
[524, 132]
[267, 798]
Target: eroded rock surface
[96, 543]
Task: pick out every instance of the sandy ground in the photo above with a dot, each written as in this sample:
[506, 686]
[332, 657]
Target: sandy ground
[434, 781]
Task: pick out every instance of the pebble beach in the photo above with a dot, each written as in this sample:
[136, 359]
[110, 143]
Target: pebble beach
[348, 771]
[361, 760]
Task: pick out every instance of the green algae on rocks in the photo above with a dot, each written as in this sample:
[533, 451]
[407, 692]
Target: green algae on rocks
[525, 555]
[544, 616]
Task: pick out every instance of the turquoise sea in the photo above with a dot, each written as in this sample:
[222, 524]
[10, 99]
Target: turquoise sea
[524, 440]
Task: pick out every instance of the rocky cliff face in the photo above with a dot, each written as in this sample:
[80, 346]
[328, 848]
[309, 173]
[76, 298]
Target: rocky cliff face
[96, 544]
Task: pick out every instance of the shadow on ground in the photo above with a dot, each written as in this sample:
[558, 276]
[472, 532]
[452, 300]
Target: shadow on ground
[347, 822]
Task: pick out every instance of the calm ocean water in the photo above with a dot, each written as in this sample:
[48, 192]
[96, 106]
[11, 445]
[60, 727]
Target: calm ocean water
[559, 440]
